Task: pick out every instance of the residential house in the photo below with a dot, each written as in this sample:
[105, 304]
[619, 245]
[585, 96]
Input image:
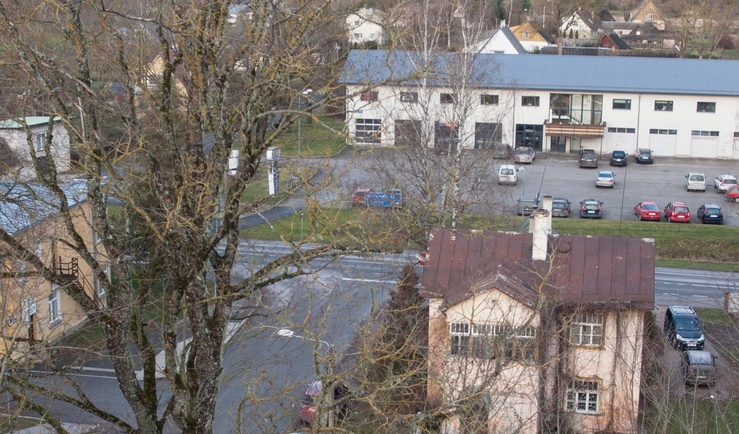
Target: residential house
[35, 310]
[366, 26]
[531, 36]
[646, 12]
[153, 73]
[555, 103]
[581, 25]
[532, 331]
[37, 132]
[613, 41]
[502, 41]
[647, 36]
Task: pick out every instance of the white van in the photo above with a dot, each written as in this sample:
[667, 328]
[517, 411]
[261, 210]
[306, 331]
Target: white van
[695, 181]
[507, 174]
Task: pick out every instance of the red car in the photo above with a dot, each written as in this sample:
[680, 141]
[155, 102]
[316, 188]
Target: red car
[647, 211]
[307, 411]
[677, 212]
[733, 193]
[358, 197]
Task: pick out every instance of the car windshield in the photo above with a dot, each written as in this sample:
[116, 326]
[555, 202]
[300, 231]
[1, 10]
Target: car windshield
[681, 209]
[696, 177]
[650, 207]
[558, 205]
[605, 175]
[713, 211]
[591, 206]
[619, 154]
[523, 151]
[687, 324]
[506, 171]
[729, 181]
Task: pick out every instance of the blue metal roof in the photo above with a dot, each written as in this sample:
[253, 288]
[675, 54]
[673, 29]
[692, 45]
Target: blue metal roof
[31, 121]
[22, 205]
[549, 72]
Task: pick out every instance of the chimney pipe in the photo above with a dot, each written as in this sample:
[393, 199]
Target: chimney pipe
[541, 227]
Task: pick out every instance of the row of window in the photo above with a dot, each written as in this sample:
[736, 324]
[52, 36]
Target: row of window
[534, 101]
[492, 341]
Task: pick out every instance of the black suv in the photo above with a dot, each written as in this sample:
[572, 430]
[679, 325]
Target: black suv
[683, 329]
[588, 158]
[699, 367]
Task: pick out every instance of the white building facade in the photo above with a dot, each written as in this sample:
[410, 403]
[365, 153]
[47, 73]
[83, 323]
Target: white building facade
[36, 132]
[676, 107]
[365, 26]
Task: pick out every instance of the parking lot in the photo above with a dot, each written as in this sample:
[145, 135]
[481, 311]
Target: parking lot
[661, 182]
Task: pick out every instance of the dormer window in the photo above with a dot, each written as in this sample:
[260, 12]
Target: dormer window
[525, 35]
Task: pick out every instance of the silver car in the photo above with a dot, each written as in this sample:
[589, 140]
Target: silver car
[605, 178]
[524, 154]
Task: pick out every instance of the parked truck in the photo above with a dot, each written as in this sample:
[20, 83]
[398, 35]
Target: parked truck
[380, 199]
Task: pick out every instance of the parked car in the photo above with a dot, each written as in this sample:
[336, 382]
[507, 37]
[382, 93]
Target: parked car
[524, 154]
[710, 214]
[591, 209]
[733, 193]
[561, 207]
[507, 174]
[699, 367]
[527, 204]
[722, 183]
[695, 181]
[605, 178]
[619, 158]
[588, 158]
[501, 151]
[309, 402]
[647, 211]
[683, 328]
[644, 156]
[677, 212]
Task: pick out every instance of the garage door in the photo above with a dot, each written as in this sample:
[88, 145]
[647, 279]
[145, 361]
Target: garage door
[704, 144]
[663, 142]
[622, 139]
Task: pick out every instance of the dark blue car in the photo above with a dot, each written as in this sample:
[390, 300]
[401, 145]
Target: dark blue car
[710, 214]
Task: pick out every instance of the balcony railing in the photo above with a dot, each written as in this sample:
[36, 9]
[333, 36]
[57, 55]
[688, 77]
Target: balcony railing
[569, 129]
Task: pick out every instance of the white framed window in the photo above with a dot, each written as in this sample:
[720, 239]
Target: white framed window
[662, 132]
[39, 141]
[621, 104]
[586, 329]
[650, 17]
[488, 341]
[663, 106]
[525, 35]
[369, 96]
[489, 99]
[55, 307]
[447, 98]
[582, 396]
[29, 308]
[531, 101]
[704, 133]
[368, 130]
[357, 36]
[622, 130]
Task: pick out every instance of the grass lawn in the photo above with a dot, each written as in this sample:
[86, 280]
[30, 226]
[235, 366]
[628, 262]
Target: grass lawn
[322, 137]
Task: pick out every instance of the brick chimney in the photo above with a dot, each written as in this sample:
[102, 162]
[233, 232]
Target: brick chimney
[540, 226]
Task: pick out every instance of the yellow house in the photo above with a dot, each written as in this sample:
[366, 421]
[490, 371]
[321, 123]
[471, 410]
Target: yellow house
[647, 12]
[35, 310]
[532, 330]
[532, 38]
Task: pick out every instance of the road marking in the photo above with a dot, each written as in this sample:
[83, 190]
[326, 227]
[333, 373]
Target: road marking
[91, 368]
[680, 284]
[369, 280]
[700, 296]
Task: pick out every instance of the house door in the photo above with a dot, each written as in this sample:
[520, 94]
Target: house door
[559, 143]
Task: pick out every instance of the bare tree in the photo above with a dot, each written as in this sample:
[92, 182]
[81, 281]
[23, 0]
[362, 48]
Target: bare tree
[160, 145]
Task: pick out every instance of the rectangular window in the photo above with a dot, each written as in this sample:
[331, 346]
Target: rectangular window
[582, 397]
[531, 101]
[488, 341]
[368, 131]
[408, 96]
[704, 133]
[446, 98]
[55, 312]
[488, 99]
[663, 132]
[369, 96]
[40, 141]
[357, 36]
[622, 104]
[586, 329]
[663, 106]
[736, 134]
[621, 130]
[706, 107]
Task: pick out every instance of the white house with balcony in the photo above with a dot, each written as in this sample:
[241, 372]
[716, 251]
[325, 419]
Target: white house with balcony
[36, 132]
[676, 107]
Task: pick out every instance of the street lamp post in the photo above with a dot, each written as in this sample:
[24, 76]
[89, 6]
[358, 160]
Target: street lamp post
[306, 93]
